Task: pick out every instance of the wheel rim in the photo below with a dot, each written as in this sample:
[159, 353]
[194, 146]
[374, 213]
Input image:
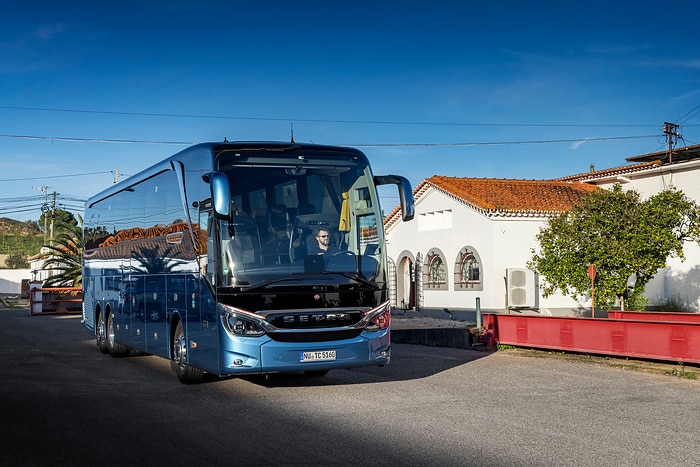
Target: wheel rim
[101, 330]
[180, 350]
[110, 333]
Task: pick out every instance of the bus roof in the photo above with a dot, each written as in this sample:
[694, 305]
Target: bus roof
[216, 148]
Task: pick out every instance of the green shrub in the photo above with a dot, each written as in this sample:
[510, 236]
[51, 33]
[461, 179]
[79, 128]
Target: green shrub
[674, 304]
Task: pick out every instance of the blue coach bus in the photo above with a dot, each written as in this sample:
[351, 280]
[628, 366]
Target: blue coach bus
[243, 258]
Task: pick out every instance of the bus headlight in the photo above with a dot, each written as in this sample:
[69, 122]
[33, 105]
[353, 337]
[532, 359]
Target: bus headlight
[242, 327]
[241, 323]
[379, 318]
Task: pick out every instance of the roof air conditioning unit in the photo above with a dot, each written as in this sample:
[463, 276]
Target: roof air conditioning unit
[521, 288]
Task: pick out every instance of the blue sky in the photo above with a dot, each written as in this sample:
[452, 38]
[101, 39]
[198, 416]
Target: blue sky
[522, 90]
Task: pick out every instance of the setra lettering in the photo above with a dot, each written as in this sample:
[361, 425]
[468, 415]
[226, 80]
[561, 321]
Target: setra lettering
[316, 318]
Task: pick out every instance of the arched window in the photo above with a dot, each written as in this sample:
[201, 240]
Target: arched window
[435, 270]
[468, 270]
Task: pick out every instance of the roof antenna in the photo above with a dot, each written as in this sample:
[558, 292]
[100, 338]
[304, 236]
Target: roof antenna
[291, 124]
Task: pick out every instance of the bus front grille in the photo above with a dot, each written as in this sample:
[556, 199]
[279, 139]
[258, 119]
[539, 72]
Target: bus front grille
[322, 336]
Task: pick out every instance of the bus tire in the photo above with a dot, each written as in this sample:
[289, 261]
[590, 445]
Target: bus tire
[115, 349]
[101, 333]
[186, 373]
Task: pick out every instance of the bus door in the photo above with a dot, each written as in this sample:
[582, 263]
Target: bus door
[205, 325]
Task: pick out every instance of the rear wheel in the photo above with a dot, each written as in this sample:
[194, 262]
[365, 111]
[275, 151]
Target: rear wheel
[115, 349]
[186, 373]
[101, 333]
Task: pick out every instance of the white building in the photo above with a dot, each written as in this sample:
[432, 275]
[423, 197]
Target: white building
[471, 238]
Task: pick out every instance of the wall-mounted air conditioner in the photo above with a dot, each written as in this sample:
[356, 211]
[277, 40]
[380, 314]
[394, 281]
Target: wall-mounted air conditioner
[522, 289]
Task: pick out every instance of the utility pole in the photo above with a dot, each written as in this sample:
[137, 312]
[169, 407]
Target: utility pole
[671, 132]
[45, 207]
[53, 214]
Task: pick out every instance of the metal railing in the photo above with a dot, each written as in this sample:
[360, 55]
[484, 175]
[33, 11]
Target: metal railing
[669, 337]
[55, 300]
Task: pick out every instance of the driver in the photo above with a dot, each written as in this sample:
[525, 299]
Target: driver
[322, 246]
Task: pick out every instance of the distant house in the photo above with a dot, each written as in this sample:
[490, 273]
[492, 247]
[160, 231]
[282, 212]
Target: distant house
[471, 238]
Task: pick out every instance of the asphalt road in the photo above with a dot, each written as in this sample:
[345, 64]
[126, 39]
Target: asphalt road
[62, 402]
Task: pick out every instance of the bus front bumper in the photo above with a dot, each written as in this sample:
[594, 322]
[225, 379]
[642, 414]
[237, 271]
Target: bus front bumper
[264, 355]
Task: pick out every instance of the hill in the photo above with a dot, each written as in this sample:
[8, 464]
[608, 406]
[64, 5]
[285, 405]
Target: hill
[17, 236]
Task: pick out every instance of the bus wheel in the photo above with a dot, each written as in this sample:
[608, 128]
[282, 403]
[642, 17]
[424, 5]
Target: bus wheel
[185, 373]
[115, 349]
[101, 333]
[316, 373]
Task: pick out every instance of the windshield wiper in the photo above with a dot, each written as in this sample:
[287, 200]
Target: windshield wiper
[304, 278]
[353, 276]
[265, 284]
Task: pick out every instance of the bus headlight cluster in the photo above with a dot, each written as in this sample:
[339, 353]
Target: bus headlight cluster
[378, 318]
[242, 327]
[238, 322]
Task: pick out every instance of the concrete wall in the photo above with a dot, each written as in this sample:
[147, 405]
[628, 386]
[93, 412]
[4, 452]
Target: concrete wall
[11, 280]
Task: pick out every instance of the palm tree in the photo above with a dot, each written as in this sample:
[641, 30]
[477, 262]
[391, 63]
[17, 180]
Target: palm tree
[64, 256]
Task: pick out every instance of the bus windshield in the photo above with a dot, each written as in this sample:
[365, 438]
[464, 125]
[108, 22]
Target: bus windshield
[296, 217]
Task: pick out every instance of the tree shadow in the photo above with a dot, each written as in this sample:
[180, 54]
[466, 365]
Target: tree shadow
[684, 286]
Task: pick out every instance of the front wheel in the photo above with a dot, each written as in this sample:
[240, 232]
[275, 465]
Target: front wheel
[186, 373]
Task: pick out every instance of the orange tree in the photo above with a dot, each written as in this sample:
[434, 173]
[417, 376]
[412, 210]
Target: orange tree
[623, 235]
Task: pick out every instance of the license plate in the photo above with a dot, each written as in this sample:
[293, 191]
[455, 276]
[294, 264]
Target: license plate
[318, 356]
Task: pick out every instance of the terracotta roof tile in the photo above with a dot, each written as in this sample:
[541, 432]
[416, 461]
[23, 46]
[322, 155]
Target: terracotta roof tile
[623, 170]
[503, 195]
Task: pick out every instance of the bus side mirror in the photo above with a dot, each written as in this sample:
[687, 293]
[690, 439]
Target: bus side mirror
[408, 208]
[220, 195]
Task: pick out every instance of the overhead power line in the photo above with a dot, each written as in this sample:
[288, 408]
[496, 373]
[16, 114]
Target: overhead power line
[96, 140]
[688, 115]
[324, 120]
[53, 176]
[360, 145]
[506, 143]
